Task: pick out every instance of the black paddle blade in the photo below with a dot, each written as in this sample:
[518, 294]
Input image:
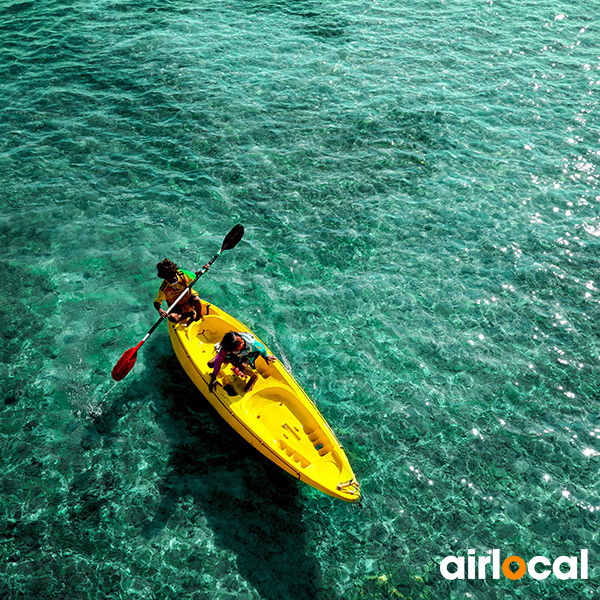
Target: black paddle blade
[233, 237]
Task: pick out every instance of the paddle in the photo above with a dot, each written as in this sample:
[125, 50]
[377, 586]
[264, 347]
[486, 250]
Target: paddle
[126, 362]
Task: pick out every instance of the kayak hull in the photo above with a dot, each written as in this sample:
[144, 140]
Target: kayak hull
[276, 417]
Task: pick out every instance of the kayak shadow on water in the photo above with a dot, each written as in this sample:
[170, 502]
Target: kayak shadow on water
[251, 506]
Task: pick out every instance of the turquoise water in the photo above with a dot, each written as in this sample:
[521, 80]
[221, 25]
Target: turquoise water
[419, 187]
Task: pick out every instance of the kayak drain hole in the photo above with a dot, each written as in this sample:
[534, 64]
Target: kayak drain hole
[318, 446]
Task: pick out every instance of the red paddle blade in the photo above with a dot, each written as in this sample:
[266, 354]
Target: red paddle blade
[125, 364]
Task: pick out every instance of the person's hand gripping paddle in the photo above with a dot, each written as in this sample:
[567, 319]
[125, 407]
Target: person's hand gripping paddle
[126, 362]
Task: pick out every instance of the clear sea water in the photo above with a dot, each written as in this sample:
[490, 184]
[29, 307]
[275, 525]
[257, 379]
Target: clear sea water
[419, 182]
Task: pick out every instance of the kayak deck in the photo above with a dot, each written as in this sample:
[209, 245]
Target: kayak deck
[276, 416]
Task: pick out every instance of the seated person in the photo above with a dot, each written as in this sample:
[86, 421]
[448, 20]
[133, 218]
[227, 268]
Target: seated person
[175, 280]
[241, 350]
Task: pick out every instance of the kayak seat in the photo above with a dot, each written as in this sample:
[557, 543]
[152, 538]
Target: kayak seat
[276, 398]
[210, 329]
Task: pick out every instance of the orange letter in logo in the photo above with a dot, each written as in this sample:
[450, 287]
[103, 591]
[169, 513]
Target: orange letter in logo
[519, 572]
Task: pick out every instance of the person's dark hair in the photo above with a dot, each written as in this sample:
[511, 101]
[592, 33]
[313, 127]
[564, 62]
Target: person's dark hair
[166, 268]
[229, 340]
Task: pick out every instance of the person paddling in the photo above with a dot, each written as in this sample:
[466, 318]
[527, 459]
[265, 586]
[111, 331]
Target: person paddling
[241, 350]
[175, 280]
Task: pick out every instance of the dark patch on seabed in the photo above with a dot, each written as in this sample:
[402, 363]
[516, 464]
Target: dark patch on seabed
[258, 517]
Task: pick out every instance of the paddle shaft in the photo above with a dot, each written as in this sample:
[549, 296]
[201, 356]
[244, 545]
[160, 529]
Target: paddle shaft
[126, 362]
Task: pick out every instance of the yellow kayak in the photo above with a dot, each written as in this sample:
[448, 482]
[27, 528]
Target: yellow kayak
[276, 416]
